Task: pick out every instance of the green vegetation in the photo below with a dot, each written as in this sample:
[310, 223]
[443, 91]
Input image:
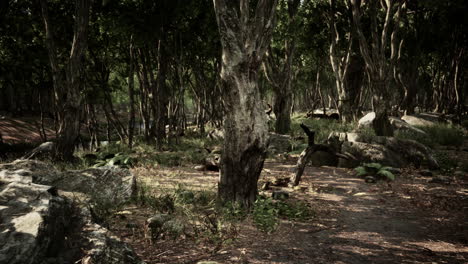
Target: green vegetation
[439, 134]
[376, 170]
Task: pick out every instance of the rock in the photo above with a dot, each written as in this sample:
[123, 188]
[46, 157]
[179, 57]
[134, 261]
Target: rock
[388, 151]
[34, 223]
[105, 185]
[280, 195]
[426, 173]
[42, 149]
[102, 247]
[160, 225]
[39, 226]
[200, 167]
[441, 180]
[366, 121]
[418, 120]
[401, 125]
[370, 179]
[279, 143]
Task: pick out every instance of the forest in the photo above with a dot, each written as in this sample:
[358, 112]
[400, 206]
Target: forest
[233, 131]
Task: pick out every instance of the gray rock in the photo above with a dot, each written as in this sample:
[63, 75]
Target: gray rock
[370, 179]
[34, 223]
[388, 151]
[366, 120]
[418, 120]
[39, 226]
[402, 125]
[105, 185]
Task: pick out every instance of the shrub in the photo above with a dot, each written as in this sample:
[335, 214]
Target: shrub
[374, 169]
[445, 134]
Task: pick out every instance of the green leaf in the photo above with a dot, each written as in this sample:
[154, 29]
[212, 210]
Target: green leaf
[373, 165]
[360, 171]
[386, 174]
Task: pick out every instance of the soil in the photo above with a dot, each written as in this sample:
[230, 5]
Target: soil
[406, 221]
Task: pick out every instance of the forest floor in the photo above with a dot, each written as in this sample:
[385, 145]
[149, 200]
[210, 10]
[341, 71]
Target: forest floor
[406, 221]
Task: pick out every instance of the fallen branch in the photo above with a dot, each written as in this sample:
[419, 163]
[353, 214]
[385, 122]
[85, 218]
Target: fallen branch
[304, 158]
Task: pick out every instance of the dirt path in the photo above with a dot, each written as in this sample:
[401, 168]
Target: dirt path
[357, 223]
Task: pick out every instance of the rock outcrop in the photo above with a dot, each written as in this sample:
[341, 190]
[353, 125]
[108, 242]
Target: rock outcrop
[387, 151]
[39, 226]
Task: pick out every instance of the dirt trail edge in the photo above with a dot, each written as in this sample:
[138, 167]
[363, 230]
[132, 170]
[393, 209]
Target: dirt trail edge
[357, 223]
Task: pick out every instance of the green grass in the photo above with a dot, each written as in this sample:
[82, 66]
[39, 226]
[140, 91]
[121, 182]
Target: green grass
[439, 134]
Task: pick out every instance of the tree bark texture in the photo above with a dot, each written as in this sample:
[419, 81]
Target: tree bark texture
[279, 74]
[245, 35]
[68, 87]
[378, 65]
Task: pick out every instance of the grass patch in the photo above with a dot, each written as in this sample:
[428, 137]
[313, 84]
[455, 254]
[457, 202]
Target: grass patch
[439, 134]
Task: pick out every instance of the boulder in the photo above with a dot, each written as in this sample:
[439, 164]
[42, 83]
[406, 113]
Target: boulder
[104, 185]
[402, 125]
[388, 151]
[39, 226]
[366, 121]
[34, 223]
[418, 120]
[279, 143]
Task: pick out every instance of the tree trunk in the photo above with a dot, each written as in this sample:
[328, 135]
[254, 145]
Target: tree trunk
[68, 90]
[131, 95]
[244, 39]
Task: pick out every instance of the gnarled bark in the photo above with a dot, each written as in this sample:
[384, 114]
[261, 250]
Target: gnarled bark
[245, 37]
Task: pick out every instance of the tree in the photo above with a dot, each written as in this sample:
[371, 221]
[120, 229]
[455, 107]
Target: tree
[379, 67]
[68, 79]
[245, 28]
[279, 71]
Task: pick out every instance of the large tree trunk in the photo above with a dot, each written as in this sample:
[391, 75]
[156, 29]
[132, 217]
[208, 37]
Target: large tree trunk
[244, 39]
[68, 90]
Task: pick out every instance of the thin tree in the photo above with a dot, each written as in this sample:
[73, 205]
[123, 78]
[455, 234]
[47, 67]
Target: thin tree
[374, 51]
[245, 28]
[68, 80]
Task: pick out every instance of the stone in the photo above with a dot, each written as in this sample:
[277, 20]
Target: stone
[39, 226]
[34, 223]
[42, 149]
[388, 151]
[104, 185]
[426, 173]
[200, 167]
[366, 121]
[418, 120]
[280, 195]
[401, 125]
[370, 179]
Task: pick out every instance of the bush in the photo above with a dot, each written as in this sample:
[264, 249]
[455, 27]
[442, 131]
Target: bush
[374, 169]
[267, 212]
[445, 134]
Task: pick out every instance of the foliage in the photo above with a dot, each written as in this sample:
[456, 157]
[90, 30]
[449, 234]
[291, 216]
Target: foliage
[445, 134]
[267, 212]
[375, 169]
[438, 134]
[446, 162]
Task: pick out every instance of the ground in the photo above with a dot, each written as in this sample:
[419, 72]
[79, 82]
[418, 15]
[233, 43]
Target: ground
[406, 221]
